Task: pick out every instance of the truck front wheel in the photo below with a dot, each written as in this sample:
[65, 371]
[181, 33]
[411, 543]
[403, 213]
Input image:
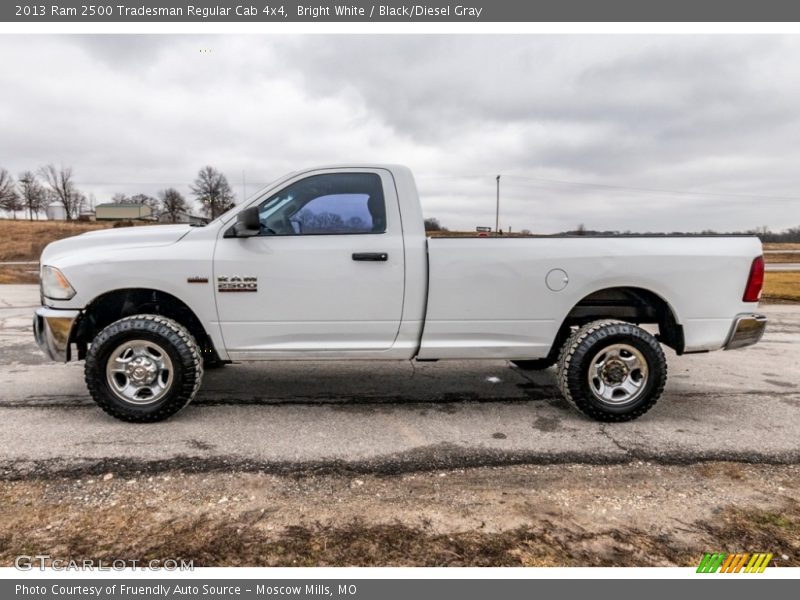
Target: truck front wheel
[143, 368]
[612, 371]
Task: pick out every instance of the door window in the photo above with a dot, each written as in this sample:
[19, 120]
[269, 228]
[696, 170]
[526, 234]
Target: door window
[336, 203]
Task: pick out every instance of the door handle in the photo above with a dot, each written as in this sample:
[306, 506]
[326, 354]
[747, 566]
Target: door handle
[375, 256]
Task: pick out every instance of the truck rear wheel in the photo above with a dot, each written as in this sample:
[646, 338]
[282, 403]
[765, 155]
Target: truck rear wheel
[612, 371]
[143, 368]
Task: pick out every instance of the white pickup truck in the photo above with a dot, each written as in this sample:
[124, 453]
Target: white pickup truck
[334, 263]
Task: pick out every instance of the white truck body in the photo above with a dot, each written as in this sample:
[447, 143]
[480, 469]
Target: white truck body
[308, 297]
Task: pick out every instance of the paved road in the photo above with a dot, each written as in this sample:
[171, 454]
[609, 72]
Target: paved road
[390, 417]
[783, 266]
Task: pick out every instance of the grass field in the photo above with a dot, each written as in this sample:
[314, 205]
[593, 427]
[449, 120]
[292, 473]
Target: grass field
[782, 258]
[25, 240]
[788, 257]
[784, 286]
[783, 246]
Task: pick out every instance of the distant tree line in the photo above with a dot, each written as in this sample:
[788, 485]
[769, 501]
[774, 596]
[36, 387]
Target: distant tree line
[33, 191]
[792, 234]
[786, 236]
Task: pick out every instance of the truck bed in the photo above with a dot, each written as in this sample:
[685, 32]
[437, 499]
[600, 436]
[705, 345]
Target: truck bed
[490, 296]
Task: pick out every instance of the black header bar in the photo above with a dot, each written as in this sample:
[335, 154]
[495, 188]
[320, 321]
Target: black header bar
[477, 11]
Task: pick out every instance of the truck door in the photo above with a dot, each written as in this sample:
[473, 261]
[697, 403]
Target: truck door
[326, 274]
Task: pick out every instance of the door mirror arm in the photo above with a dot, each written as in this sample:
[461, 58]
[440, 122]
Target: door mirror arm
[248, 224]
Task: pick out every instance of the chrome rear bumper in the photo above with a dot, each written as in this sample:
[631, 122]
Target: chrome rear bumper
[52, 330]
[747, 330]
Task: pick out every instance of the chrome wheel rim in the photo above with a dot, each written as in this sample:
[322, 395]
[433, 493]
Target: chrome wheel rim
[139, 372]
[618, 374]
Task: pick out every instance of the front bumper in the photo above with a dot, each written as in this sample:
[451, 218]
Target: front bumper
[52, 329]
[747, 330]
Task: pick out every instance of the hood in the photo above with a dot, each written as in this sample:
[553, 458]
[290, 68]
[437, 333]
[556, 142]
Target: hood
[126, 237]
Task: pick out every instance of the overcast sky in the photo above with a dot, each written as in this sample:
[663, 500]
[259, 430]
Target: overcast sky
[713, 114]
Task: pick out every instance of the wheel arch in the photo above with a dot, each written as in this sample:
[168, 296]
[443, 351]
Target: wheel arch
[632, 304]
[116, 304]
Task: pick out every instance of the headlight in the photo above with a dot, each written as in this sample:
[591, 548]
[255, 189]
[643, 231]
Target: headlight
[54, 285]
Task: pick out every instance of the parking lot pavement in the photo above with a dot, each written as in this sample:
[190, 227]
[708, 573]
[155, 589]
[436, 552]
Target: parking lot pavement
[394, 417]
[783, 267]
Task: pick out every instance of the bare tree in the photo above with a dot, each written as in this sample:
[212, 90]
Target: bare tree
[9, 199]
[762, 231]
[173, 203]
[32, 194]
[146, 201]
[79, 202]
[432, 224]
[213, 191]
[63, 189]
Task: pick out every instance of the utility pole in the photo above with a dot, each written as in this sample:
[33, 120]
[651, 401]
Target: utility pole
[497, 211]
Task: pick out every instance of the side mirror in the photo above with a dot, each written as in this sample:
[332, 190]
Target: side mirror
[248, 224]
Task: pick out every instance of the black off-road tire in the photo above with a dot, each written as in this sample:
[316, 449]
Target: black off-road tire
[174, 338]
[540, 364]
[584, 344]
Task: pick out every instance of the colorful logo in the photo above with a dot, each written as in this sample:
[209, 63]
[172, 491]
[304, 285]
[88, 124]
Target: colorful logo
[734, 563]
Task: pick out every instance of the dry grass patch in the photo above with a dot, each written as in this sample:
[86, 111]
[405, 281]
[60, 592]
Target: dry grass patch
[180, 517]
[752, 530]
[782, 258]
[782, 246]
[782, 286]
[25, 240]
[243, 540]
[18, 274]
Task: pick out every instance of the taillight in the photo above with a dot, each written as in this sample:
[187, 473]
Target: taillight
[752, 293]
